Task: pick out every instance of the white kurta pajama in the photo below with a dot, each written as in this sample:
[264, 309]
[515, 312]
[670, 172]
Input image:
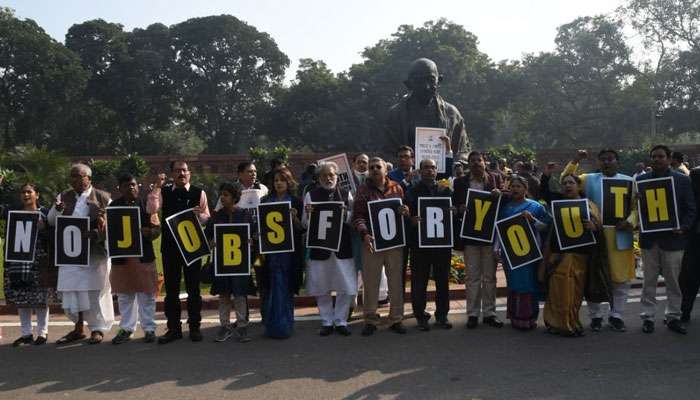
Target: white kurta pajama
[332, 275]
[86, 289]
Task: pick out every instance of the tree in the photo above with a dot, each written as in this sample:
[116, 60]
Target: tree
[40, 81]
[224, 69]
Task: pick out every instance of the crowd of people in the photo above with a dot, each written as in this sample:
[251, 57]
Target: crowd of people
[562, 279]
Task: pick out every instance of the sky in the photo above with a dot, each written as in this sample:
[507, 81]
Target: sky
[336, 31]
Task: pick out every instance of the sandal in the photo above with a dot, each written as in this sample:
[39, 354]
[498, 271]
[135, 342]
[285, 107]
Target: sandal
[72, 336]
[96, 337]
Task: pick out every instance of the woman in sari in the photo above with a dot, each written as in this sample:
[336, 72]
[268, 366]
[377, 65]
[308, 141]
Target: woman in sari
[282, 272]
[565, 271]
[523, 288]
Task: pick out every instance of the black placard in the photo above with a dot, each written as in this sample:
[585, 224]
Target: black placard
[616, 200]
[22, 233]
[435, 226]
[275, 224]
[518, 241]
[189, 235]
[658, 209]
[387, 224]
[325, 226]
[72, 246]
[124, 237]
[569, 217]
[479, 220]
[232, 249]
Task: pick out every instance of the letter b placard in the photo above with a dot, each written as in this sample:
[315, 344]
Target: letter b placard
[232, 252]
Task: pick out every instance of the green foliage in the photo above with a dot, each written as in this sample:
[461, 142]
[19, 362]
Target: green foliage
[210, 184]
[134, 165]
[512, 153]
[632, 155]
[47, 169]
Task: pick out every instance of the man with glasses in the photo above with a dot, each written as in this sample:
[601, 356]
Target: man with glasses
[173, 198]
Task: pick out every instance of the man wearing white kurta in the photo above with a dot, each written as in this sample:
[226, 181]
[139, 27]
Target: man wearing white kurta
[331, 271]
[85, 290]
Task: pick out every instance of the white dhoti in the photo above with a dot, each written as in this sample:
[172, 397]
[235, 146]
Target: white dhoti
[87, 290]
[331, 275]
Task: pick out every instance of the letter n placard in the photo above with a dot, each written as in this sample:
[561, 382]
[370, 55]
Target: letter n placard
[325, 226]
[569, 217]
[435, 227]
[518, 241]
[124, 232]
[188, 235]
[658, 209]
[22, 231]
[386, 224]
[232, 250]
[275, 224]
[72, 247]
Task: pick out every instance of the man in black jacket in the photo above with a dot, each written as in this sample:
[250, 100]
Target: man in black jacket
[437, 259]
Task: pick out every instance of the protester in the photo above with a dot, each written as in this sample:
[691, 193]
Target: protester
[524, 291]
[378, 186]
[359, 168]
[172, 199]
[135, 280]
[618, 240]
[85, 291]
[275, 165]
[478, 256]
[281, 274]
[233, 291]
[405, 174]
[662, 252]
[564, 271]
[678, 164]
[332, 271]
[29, 285]
[424, 261]
[689, 278]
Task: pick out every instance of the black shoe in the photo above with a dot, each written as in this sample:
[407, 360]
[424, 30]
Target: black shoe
[369, 330]
[41, 340]
[423, 325]
[23, 341]
[443, 323]
[676, 326]
[648, 326]
[617, 324]
[325, 330]
[685, 318]
[596, 324]
[196, 334]
[149, 337]
[493, 322]
[472, 322]
[170, 336]
[123, 336]
[398, 328]
[343, 330]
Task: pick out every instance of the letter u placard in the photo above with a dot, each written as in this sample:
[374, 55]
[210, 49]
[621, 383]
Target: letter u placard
[189, 236]
[124, 232]
[569, 217]
[275, 224]
[387, 224]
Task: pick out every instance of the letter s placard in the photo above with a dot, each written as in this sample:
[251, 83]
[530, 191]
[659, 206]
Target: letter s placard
[275, 224]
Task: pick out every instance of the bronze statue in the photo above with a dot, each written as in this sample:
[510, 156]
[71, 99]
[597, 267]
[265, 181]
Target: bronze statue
[423, 107]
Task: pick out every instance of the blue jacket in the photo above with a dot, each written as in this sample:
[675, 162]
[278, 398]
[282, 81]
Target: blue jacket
[667, 240]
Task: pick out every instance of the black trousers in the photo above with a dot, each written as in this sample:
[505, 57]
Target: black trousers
[173, 270]
[689, 278]
[422, 262]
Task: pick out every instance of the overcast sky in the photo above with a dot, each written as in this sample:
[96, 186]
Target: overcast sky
[336, 31]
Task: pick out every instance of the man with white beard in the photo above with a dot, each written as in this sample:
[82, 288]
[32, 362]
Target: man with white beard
[331, 271]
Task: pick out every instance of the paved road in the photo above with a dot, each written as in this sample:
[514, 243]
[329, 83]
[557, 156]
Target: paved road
[485, 363]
